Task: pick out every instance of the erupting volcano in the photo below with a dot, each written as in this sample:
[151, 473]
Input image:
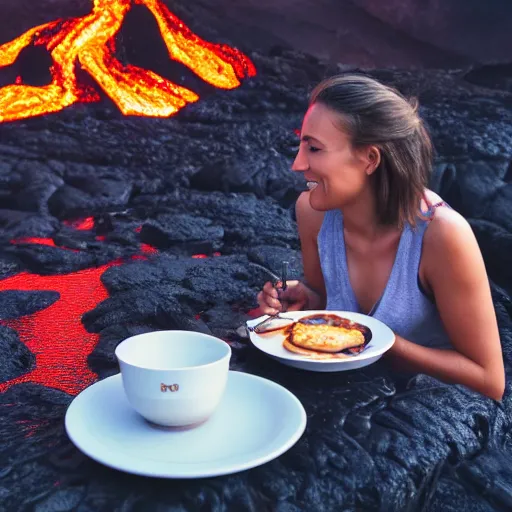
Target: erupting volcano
[90, 41]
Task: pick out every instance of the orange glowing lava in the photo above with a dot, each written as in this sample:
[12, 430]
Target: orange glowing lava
[89, 40]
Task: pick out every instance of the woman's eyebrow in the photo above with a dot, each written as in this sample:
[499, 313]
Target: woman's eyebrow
[309, 138]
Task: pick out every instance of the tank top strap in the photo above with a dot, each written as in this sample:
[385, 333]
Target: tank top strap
[432, 210]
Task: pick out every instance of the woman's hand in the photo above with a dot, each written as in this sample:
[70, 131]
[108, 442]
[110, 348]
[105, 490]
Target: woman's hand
[273, 299]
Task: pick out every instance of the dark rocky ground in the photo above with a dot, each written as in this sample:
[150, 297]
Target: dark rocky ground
[216, 179]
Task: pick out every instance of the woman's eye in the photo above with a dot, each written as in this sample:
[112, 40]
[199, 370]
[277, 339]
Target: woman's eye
[313, 149]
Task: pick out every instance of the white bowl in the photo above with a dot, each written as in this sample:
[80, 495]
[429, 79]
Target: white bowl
[174, 378]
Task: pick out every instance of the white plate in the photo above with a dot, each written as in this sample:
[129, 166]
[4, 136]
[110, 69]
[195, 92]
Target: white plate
[256, 421]
[272, 344]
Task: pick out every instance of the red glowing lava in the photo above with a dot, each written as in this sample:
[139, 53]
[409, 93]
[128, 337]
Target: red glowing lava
[81, 224]
[56, 335]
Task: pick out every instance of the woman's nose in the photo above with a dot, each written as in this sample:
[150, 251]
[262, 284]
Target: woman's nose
[300, 164]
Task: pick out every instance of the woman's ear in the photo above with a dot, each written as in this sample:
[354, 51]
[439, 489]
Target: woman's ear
[373, 159]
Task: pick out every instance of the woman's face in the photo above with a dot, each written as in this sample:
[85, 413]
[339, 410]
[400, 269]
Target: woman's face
[336, 172]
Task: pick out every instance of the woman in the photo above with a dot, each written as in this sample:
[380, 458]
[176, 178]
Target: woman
[375, 240]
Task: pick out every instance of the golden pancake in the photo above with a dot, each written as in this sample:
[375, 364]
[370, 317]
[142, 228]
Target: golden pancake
[326, 334]
[324, 337]
[312, 353]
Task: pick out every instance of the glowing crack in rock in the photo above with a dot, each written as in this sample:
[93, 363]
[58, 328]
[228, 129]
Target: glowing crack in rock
[90, 41]
[56, 334]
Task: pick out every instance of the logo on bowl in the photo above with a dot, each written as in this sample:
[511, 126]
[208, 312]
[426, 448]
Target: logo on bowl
[172, 388]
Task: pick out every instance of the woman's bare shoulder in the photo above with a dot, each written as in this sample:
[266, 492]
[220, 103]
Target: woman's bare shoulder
[447, 227]
[450, 241]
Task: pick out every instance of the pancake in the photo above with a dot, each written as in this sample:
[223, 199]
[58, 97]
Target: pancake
[326, 334]
[324, 337]
[312, 354]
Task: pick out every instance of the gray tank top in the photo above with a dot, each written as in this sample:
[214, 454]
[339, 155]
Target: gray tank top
[403, 306]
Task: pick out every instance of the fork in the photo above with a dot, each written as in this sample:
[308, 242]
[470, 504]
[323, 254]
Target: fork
[284, 285]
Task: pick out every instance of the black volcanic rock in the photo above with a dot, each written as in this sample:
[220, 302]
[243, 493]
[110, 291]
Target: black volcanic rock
[9, 265]
[15, 303]
[89, 194]
[496, 245]
[33, 184]
[33, 66]
[272, 257]
[44, 259]
[191, 234]
[216, 178]
[267, 176]
[497, 76]
[477, 185]
[21, 224]
[499, 209]
[17, 358]
[245, 220]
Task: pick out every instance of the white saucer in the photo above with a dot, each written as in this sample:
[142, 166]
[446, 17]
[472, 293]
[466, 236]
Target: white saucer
[272, 344]
[256, 421]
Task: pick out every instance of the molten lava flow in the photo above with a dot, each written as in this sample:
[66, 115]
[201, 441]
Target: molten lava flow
[148, 249]
[81, 224]
[90, 41]
[56, 335]
[34, 240]
[203, 256]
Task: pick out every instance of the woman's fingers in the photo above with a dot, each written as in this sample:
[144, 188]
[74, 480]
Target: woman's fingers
[271, 298]
[270, 290]
[268, 305]
[274, 300]
[293, 293]
[296, 306]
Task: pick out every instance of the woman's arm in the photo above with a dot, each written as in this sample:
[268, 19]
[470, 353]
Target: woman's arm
[447, 365]
[309, 222]
[454, 272]
[299, 295]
